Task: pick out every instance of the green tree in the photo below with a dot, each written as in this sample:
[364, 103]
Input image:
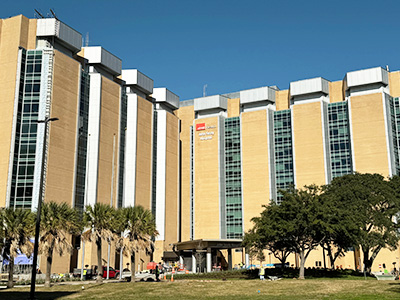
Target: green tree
[139, 228]
[372, 203]
[265, 234]
[57, 223]
[100, 222]
[17, 226]
[297, 221]
[336, 222]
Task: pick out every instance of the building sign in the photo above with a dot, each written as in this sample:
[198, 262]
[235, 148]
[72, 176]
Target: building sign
[200, 126]
[206, 135]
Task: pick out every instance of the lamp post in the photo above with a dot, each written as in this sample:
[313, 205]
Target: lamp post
[39, 206]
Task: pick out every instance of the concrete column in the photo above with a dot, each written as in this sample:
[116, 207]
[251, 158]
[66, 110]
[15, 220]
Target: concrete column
[209, 256]
[194, 261]
[229, 259]
[181, 258]
[247, 260]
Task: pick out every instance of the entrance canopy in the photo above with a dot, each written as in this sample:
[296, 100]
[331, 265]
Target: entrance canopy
[204, 244]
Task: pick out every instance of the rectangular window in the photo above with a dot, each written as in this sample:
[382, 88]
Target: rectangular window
[26, 129]
[233, 178]
[284, 173]
[339, 139]
[80, 184]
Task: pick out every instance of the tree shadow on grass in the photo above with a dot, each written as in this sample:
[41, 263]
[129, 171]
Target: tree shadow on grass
[10, 295]
[394, 287]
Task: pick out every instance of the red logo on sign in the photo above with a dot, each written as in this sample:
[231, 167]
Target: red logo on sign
[200, 126]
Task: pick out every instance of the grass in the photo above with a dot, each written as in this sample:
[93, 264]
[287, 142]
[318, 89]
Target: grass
[219, 289]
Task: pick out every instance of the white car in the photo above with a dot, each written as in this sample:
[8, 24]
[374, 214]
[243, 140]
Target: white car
[139, 276]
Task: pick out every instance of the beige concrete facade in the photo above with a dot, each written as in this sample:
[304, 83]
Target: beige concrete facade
[234, 108]
[172, 180]
[14, 32]
[370, 148]
[206, 174]
[144, 153]
[308, 144]
[255, 160]
[108, 146]
[62, 138]
[336, 91]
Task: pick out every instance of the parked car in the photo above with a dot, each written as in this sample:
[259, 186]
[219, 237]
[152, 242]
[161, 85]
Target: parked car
[126, 275]
[113, 273]
[139, 276]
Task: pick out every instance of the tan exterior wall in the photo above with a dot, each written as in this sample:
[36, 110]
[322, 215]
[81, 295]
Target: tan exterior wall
[14, 33]
[159, 248]
[144, 153]
[233, 108]
[62, 139]
[394, 83]
[255, 168]
[308, 144]
[336, 91]
[206, 200]
[368, 132]
[172, 180]
[109, 127]
[186, 115]
[31, 44]
[282, 100]
[387, 257]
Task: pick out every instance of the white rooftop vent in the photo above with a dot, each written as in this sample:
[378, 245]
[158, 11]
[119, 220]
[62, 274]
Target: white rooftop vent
[67, 36]
[367, 77]
[137, 79]
[163, 95]
[99, 56]
[216, 102]
[257, 95]
[309, 86]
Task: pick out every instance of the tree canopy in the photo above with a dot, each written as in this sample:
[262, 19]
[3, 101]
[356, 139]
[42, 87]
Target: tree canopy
[355, 210]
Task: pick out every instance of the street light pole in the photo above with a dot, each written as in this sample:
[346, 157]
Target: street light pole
[39, 207]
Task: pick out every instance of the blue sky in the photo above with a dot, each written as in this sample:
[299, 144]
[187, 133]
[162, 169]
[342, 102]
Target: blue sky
[233, 45]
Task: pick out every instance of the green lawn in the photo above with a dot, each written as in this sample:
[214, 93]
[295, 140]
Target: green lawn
[218, 289]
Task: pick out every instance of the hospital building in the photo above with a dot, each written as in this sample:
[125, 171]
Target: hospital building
[203, 166]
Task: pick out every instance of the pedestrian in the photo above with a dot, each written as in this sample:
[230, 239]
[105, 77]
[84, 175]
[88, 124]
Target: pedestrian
[157, 272]
[261, 272]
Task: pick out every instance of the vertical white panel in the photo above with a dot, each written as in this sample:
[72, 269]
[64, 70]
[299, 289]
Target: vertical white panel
[388, 134]
[161, 172]
[92, 162]
[325, 141]
[293, 148]
[351, 134]
[130, 151]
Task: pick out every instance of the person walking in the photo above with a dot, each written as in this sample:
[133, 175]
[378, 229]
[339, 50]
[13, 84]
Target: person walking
[261, 272]
[157, 271]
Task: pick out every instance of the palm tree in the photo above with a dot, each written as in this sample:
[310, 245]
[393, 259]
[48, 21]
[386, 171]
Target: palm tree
[58, 221]
[17, 226]
[139, 227]
[100, 223]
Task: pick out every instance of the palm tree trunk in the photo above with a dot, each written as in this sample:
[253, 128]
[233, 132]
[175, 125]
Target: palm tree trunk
[99, 261]
[133, 266]
[10, 282]
[49, 261]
